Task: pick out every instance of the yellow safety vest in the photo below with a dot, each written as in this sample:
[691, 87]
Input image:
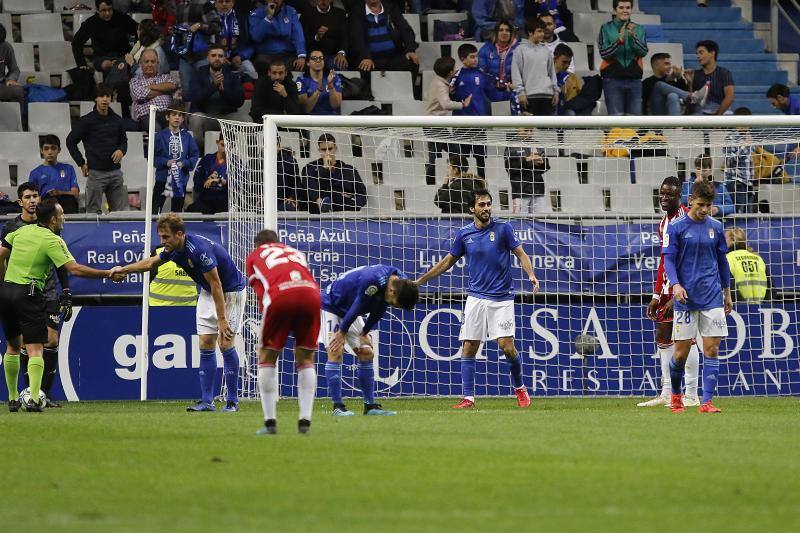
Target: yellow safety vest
[172, 286]
[750, 274]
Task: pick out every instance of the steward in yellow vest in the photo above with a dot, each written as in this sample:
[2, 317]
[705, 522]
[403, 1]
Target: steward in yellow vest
[747, 268]
[171, 285]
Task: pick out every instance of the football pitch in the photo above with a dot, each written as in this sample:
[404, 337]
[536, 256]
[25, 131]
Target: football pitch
[563, 465]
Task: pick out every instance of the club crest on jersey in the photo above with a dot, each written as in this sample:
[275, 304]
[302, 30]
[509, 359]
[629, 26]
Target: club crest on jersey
[372, 290]
[205, 260]
[710, 233]
[665, 243]
[491, 236]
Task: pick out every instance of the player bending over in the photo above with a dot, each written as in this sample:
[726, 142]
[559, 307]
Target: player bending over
[697, 267]
[220, 304]
[489, 311]
[661, 306]
[361, 291]
[290, 301]
[31, 251]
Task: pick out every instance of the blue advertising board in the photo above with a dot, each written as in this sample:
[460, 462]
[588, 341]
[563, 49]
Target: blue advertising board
[418, 353]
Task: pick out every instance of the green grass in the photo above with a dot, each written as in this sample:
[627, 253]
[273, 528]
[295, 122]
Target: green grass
[563, 465]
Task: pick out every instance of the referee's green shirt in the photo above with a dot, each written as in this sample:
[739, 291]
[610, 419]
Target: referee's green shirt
[33, 249]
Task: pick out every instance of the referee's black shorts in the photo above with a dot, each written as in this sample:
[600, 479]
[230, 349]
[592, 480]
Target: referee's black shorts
[23, 314]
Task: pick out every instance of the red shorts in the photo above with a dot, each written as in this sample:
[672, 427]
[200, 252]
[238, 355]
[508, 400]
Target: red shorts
[664, 314]
[296, 311]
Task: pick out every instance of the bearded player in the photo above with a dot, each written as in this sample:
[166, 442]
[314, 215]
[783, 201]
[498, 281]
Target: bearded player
[290, 301]
[660, 308]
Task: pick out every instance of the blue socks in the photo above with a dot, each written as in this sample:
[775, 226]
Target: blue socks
[676, 375]
[333, 373]
[516, 370]
[231, 372]
[468, 376]
[208, 370]
[710, 373]
[366, 378]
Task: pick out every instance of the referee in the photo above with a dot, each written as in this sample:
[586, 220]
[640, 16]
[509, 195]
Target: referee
[28, 199]
[31, 251]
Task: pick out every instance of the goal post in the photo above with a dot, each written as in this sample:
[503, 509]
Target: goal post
[590, 228]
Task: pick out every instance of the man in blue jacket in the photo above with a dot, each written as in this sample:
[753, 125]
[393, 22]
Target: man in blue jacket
[176, 154]
[471, 81]
[275, 32]
[216, 91]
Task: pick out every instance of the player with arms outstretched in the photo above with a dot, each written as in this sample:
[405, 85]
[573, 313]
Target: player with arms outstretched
[489, 311]
[290, 302]
[695, 260]
[660, 309]
[367, 290]
[220, 304]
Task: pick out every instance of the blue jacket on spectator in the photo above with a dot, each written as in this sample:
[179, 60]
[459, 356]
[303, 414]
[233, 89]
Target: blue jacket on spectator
[483, 13]
[231, 37]
[281, 35]
[189, 154]
[723, 200]
[201, 90]
[489, 61]
[481, 87]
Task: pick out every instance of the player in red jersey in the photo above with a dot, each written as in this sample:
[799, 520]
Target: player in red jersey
[290, 302]
[660, 307]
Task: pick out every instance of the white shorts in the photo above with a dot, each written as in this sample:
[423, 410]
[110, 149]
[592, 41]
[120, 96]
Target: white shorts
[330, 324]
[206, 314]
[711, 323]
[487, 320]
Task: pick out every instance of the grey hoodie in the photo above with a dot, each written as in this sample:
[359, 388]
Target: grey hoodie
[8, 64]
[532, 70]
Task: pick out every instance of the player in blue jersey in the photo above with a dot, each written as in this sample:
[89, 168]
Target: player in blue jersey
[220, 304]
[697, 268]
[489, 311]
[366, 290]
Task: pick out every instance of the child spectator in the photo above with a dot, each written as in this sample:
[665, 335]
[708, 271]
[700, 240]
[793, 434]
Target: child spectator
[470, 81]
[526, 167]
[176, 155]
[53, 178]
[723, 204]
[533, 73]
[210, 192]
[569, 85]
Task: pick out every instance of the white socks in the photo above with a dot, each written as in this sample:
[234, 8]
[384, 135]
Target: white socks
[306, 387]
[692, 372]
[666, 382]
[268, 387]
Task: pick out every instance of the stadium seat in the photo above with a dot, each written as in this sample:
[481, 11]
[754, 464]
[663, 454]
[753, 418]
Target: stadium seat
[5, 20]
[607, 171]
[581, 199]
[408, 107]
[23, 53]
[348, 106]
[135, 144]
[782, 199]
[20, 7]
[210, 143]
[449, 17]
[427, 77]
[5, 174]
[580, 56]
[634, 199]
[653, 170]
[44, 117]
[26, 166]
[428, 53]
[87, 107]
[41, 27]
[138, 17]
[691, 142]
[563, 171]
[56, 56]
[581, 6]
[30, 76]
[10, 116]
[582, 141]
[62, 5]
[15, 146]
[414, 22]
[134, 168]
[390, 85]
[403, 172]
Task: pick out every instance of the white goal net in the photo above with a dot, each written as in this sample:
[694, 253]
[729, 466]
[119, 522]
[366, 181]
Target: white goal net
[584, 202]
